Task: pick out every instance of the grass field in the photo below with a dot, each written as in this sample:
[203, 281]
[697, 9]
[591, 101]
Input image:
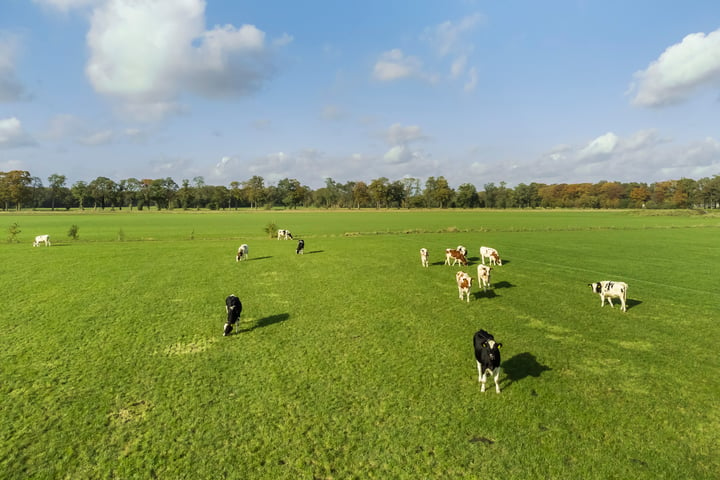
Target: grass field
[352, 361]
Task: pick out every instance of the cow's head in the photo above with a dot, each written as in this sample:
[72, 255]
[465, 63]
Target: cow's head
[596, 287]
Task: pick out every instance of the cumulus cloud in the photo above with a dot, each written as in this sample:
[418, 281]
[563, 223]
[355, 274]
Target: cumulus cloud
[599, 147]
[12, 134]
[394, 65]
[399, 134]
[66, 5]
[10, 87]
[680, 71]
[146, 54]
[448, 37]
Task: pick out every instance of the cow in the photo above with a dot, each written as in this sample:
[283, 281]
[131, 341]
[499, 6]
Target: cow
[464, 282]
[609, 290]
[242, 253]
[284, 234]
[484, 276]
[487, 355]
[456, 257]
[462, 250]
[424, 257]
[300, 247]
[233, 307]
[491, 254]
[42, 239]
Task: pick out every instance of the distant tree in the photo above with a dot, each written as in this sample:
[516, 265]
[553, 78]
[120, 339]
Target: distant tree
[467, 196]
[443, 193]
[130, 188]
[56, 182]
[396, 194]
[378, 190]
[361, 194]
[639, 195]
[37, 192]
[79, 190]
[254, 190]
[199, 182]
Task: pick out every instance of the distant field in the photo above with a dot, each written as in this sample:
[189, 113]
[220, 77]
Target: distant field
[352, 361]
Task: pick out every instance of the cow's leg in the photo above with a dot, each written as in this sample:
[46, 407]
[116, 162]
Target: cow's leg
[624, 308]
[483, 379]
[609, 299]
[496, 376]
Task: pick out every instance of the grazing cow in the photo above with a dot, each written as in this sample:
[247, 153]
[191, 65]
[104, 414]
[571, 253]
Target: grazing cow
[242, 253]
[464, 282]
[301, 247]
[462, 250]
[233, 306]
[484, 276]
[42, 239]
[490, 253]
[424, 257]
[487, 354]
[456, 257]
[284, 234]
[609, 290]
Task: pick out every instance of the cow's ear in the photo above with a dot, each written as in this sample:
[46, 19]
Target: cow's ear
[499, 345]
[484, 344]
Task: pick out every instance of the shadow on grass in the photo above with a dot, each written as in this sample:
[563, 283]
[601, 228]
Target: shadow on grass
[521, 366]
[265, 322]
[503, 284]
[315, 251]
[260, 258]
[629, 303]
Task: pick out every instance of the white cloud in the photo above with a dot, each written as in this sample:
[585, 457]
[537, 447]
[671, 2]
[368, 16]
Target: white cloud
[12, 134]
[680, 71]
[399, 154]
[472, 80]
[602, 145]
[67, 5]
[399, 135]
[145, 54]
[447, 37]
[98, 138]
[394, 65]
[10, 87]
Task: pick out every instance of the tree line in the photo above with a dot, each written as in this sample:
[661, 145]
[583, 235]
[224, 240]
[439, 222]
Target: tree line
[20, 190]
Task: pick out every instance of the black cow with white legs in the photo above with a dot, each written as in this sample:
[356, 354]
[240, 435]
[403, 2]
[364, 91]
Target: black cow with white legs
[300, 247]
[487, 354]
[233, 306]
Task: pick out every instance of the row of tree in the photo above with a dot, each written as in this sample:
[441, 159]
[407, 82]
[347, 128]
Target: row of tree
[19, 189]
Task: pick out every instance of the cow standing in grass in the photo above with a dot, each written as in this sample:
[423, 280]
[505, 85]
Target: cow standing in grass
[242, 253]
[42, 239]
[491, 254]
[484, 276]
[464, 282]
[424, 257]
[233, 307]
[609, 290]
[284, 234]
[456, 257]
[300, 250]
[487, 355]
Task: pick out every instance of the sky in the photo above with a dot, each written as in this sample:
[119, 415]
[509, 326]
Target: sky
[476, 91]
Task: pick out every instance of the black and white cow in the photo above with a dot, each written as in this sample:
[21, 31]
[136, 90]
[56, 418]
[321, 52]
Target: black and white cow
[487, 354]
[233, 306]
[284, 234]
[609, 290]
[42, 239]
[242, 253]
[301, 247]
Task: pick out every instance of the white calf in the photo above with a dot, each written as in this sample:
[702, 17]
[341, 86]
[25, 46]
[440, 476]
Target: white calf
[484, 276]
[462, 250]
[609, 290]
[464, 282]
[424, 257]
[491, 254]
[42, 239]
[284, 234]
[242, 253]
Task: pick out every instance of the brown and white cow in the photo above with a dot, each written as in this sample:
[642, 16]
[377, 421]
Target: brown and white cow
[484, 276]
[424, 257]
[491, 254]
[462, 250]
[456, 257]
[464, 282]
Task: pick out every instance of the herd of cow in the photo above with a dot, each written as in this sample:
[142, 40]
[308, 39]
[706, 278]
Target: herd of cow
[487, 350]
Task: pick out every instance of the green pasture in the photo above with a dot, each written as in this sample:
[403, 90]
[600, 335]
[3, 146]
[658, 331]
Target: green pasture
[353, 361]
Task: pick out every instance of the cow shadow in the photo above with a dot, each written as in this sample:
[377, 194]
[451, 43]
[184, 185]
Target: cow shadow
[266, 322]
[521, 366]
[315, 251]
[490, 293]
[503, 284]
[630, 303]
[260, 258]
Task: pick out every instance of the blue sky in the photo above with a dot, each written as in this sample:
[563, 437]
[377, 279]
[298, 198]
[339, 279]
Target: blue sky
[476, 91]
